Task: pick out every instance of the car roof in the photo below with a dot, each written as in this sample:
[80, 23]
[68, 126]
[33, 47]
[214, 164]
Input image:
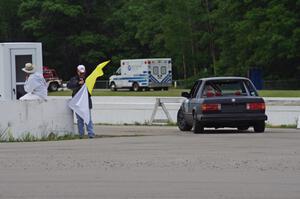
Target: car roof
[223, 78]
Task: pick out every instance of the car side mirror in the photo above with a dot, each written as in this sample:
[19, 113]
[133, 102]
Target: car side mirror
[185, 94]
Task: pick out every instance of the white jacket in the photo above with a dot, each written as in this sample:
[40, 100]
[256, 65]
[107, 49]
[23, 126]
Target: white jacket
[36, 85]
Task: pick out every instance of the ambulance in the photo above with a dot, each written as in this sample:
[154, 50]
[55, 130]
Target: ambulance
[142, 74]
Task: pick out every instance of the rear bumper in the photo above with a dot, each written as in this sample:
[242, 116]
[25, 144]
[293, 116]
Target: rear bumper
[231, 120]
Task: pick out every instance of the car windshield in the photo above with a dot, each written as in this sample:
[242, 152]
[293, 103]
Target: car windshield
[228, 88]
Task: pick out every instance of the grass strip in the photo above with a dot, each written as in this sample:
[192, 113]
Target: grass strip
[172, 93]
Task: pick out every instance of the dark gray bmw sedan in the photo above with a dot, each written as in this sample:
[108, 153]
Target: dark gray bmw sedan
[220, 102]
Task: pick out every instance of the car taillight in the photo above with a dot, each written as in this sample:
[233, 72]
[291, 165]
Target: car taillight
[210, 107]
[256, 106]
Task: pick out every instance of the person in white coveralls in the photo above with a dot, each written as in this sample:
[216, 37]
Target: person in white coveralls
[35, 84]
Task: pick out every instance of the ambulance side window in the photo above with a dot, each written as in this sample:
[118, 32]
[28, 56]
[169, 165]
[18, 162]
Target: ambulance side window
[163, 70]
[155, 70]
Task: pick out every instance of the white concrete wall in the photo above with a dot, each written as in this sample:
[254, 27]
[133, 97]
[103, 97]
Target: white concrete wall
[38, 118]
[283, 110]
[41, 118]
[130, 110]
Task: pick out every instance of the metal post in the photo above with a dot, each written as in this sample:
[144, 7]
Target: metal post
[166, 112]
[160, 103]
[154, 110]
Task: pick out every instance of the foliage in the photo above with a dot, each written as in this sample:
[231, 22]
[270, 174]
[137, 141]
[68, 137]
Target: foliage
[216, 36]
[262, 34]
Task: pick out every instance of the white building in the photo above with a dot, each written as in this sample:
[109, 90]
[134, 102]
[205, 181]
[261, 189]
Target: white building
[13, 57]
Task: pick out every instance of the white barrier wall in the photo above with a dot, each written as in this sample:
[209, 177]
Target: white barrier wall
[283, 111]
[131, 110]
[39, 118]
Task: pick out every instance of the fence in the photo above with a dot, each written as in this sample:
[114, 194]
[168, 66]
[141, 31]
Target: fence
[282, 84]
[104, 84]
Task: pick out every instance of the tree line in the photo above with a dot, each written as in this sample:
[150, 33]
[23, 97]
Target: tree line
[203, 37]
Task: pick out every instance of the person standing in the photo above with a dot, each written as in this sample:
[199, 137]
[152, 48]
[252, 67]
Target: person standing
[75, 84]
[35, 85]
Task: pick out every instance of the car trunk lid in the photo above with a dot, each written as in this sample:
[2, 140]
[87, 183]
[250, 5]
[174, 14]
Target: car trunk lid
[235, 104]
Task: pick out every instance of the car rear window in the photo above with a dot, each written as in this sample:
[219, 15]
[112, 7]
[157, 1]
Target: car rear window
[221, 88]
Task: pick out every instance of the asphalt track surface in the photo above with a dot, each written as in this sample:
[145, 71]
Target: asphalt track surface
[165, 163]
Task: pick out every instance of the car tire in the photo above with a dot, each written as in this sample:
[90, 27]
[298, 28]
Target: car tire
[243, 128]
[198, 126]
[259, 127]
[53, 86]
[181, 122]
[135, 87]
[113, 87]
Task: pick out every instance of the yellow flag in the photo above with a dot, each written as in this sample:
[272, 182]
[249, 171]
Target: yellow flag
[91, 79]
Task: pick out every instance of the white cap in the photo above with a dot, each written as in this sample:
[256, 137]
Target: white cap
[81, 68]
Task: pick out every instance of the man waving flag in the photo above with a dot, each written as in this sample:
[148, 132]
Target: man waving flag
[81, 102]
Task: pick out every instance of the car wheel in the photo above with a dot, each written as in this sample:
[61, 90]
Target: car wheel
[135, 87]
[243, 128]
[53, 86]
[113, 87]
[181, 122]
[198, 126]
[259, 127]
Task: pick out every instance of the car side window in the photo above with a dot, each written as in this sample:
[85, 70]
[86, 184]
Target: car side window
[251, 88]
[195, 89]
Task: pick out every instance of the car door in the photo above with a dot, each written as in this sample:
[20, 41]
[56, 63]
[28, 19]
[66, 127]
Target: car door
[190, 103]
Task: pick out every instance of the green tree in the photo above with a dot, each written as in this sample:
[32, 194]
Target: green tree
[202, 37]
[72, 32]
[10, 27]
[260, 34]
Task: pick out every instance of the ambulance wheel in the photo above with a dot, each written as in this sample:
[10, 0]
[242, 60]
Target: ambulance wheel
[113, 87]
[135, 87]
